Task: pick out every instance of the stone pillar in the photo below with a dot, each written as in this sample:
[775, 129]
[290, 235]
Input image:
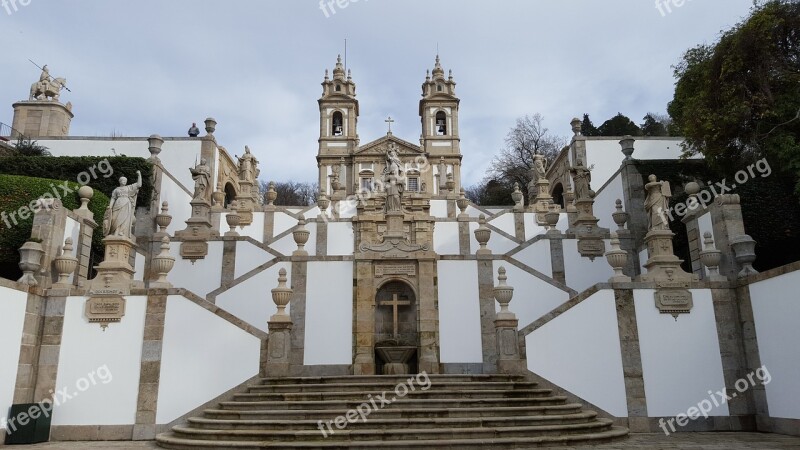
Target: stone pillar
[49, 224]
[298, 311]
[729, 232]
[279, 345]
[322, 236]
[36, 317]
[488, 314]
[631, 361]
[463, 235]
[506, 324]
[557, 258]
[39, 118]
[428, 318]
[87, 229]
[519, 225]
[364, 360]
[150, 368]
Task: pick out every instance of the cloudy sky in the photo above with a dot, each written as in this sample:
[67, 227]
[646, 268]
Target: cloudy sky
[152, 66]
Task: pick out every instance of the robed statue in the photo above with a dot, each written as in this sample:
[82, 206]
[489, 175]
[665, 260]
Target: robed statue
[539, 170]
[119, 216]
[201, 174]
[657, 203]
[581, 177]
[393, 178]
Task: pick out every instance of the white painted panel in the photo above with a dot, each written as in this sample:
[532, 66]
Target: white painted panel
[185, 274]
[340, 238]
[642, 261]
[138, 266]
[12, 319]
[439, 208]
[704, 224]
[347, 209]
[498, 244]
[776, 313]
[533, 297]
[680, 358]
[583, 273]
[537, 256]
[111, 357]
[579, 351]
[282, 223]
[203, 356]
[605, 202]
[445, 238]
[255, 230]
[533, 229]
[504, 222]
[287, 246]
[606, 155]
[475, 212]
[459, 312]
[251, 300]
[248, 257]
[179, 207]
[329, 313]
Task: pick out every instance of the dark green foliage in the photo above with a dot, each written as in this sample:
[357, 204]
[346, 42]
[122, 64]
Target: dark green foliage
[491, 193]
[588, 128]
[653, 127]
[738, 100]
[27, 147]
[17, 192]
[69, 168]
[619, 125]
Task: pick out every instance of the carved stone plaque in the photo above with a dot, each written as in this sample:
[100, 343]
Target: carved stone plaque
[194, 250]
[395, 269]
[591, 248]
[674, 301]
[105, 308]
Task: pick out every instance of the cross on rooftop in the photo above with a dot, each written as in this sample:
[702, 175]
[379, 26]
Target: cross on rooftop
[389, 121]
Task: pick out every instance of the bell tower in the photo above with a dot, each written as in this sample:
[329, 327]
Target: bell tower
[338, 130]
[440, 140]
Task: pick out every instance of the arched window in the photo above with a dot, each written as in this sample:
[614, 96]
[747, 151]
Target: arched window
[230, 194]
[439, 88]
[338, 88]
[558, 195]
[338, 124]
[441, 123]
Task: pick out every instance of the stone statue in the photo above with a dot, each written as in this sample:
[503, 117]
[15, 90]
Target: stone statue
[247, 166]
[393, 178]
[581, 177]
[539, 169]
[201, 174]
[657, 203]
[47, 87]
[118, 219]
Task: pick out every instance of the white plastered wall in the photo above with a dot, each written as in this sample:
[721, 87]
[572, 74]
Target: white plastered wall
[248, 257]
[581, 272]
[329, 313]
[12, 320]
[445, 238]
[112, 358]
[459, 312]
[533, 297]
[202, 357]
[340, 238]
[680, 358]
[580, 352]
[185, 274]
[605, 202]
[251, 300]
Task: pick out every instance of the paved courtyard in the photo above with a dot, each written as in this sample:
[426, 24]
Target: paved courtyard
[714, 441]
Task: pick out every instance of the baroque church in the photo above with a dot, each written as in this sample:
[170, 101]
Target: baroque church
[393, 313]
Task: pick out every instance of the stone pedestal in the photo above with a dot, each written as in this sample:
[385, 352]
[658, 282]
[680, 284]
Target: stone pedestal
[395, 359]
[540, 199]
[509, 359]
[590, 236]
[41, 118]
[198, 231]
[115, 272]
[279, 347]
[245, 202]
[661, 261]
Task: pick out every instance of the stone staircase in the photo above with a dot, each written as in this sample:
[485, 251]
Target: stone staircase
[456, 411]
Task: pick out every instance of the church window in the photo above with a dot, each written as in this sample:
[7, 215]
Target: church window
[338, 88]
[439, 88]
[366, 184]
[338, 124]
[441, 123]
[413, 184]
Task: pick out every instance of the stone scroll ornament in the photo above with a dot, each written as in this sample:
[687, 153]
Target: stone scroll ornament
[119, 216]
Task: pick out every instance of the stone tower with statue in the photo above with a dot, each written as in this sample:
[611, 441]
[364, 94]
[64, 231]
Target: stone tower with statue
[43, 114]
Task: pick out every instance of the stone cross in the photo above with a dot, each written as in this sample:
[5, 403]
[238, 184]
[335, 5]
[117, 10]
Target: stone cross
[395, 303]
[389, 121]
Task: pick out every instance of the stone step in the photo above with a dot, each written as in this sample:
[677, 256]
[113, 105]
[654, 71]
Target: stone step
[429, 394]
[395, 403]
[386, 386]
[396, 413]
[390, 379]
[169, 440]
[402, 423]
[395, 434]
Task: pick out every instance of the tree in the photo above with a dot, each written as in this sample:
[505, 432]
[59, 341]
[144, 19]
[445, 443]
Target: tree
[490, 193]
[513, 164]
[291, 193]
[27, 147]
[619, 125]
[587, 127]
[652, 126]
[737, 100]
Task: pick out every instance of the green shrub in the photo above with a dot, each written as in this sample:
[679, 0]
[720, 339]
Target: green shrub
[17, 192]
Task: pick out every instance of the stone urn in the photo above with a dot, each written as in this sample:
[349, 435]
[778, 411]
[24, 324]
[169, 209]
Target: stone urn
[710, 256]
[627, 146]
[301, 235]
[211, 125]
[617, 258]
[272, 194]
[65, 263]
[551, 217]
[620, 217]
[233, 219]
[323, 202]
[517, 197]
[30, 262]
[163, 262]
[462, 202]
[154, 143]
[281, 296]
[450, 184]
[483, 234]
[164, 219]
[745, 249]
[218, 196]
[503, 293]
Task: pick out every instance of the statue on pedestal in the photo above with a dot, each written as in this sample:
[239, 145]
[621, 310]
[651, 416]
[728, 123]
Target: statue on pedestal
[539, 169]
[657, 203]
[393, 178]
[47, 87]
[201, 174]
[118, 219]
[581, 177]
[247, 166]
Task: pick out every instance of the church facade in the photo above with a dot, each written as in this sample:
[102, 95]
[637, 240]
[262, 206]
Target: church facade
[394, 273]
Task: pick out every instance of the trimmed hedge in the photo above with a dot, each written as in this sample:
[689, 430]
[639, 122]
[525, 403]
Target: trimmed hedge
[71, 167]
[17, 192]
